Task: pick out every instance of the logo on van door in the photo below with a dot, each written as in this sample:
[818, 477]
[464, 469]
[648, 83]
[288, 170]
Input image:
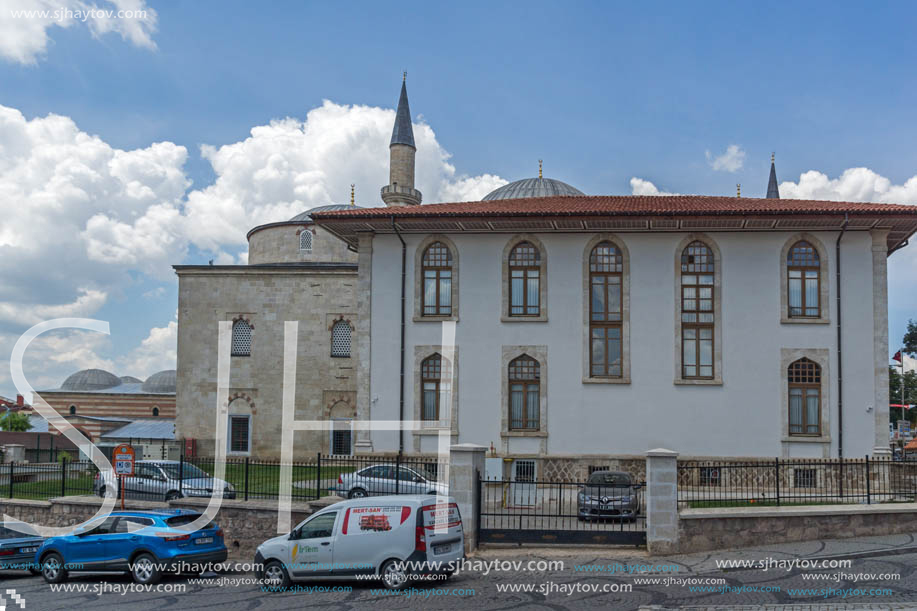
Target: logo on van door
[365, 520]
[305, 549]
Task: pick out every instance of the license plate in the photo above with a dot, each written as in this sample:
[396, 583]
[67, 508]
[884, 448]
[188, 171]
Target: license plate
[441, 549]
[204, 540]
[28, 550]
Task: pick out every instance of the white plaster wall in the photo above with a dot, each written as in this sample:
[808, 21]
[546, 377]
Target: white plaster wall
[740, 418]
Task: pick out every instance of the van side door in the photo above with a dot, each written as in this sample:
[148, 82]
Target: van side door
[312, 546]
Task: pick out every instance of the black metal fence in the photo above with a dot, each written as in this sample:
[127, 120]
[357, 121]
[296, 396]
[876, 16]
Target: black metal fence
[42, 481]
[777, 482]
[515, 511]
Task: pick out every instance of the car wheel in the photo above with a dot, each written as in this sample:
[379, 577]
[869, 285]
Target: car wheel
[356, 493]
[144, 570]
[274, 577]
[393, 575]
[52, 569]
[172, 496]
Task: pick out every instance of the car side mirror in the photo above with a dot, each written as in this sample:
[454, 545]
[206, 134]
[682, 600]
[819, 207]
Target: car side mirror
[294, 534]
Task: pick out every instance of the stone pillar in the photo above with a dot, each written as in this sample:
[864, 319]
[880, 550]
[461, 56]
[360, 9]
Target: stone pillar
[661, 501]
[466, 460]
[880, 338]
[363, 344]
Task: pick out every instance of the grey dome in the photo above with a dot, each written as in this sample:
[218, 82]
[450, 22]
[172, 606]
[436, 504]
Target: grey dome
[91, 379]
[532, 187]
[130, 380]
[162, 382]
[303, 217]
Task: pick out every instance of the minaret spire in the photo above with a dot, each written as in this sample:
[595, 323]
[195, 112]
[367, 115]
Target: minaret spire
[772, 191]
[400, 191]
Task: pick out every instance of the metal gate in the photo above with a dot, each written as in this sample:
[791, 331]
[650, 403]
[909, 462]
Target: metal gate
[531, 511]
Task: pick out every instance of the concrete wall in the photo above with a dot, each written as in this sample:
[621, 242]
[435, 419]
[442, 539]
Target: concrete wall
[266, 297]
[743, 417]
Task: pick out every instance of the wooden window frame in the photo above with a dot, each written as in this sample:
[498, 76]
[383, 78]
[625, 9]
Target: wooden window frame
[528, 385]
[804, 386]
[802, 269]
[708, 269]
[605, 323]
[526, 269]
[438, 278]
[427, 376]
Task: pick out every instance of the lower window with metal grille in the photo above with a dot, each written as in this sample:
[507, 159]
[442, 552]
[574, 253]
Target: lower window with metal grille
[341, 438]
[804, 478]
[238, 433]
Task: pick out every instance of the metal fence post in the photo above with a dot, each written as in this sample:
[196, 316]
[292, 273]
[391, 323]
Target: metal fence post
[246, 478]
[868, 499]
[777, 478]
[318, 475]
[181, 474]
[63, 478]
[840, 477]
[11, 478]
[398, 474]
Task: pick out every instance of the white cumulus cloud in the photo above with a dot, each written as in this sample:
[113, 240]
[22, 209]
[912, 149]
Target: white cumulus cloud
[639, 186]
[24, 24]
[853, 185]
[730, 161]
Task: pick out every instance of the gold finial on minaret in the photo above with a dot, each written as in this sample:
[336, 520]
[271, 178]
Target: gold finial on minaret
[539, 168]
[351, 195]
[404, 76]
[738, 190]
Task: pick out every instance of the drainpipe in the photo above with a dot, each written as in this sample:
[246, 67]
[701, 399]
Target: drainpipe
[840, 362]
[404, 248]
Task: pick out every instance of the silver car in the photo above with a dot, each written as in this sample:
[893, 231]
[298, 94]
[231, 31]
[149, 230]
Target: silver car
[163, 479]
[380, 479]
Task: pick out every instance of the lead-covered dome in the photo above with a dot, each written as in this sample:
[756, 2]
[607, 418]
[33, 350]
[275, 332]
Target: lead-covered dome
[162, 382]
[304, 217]
[91, 379]
[532, 187]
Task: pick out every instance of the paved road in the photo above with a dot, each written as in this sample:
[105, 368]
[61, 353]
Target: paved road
[893, 555]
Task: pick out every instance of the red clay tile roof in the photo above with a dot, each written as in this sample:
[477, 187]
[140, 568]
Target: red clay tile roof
[626, 205]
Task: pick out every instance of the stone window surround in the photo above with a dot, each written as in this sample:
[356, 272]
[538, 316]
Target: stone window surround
[540, 354]
[299, 239]
[717, 311]
[824, 281]
[821, 356]
[542, 280]
[418, 279]
[239, 404]
[420, 354]
[625, 311]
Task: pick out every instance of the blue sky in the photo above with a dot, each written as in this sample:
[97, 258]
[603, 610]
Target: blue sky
[604, 92]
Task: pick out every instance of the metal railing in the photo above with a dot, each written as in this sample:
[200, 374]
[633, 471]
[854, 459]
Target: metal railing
[43, 481]
[703, 484]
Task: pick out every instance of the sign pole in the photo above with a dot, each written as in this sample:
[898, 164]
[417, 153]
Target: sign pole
[121, 486]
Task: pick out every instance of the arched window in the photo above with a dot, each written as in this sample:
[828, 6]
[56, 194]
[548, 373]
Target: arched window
[437, 280]
[431, 375]
[155, 412]
[606, 269]
[524, 393]
[305, 241]
[803, 269]
[72, 410]
[340, 339]
[697, 311]
[524, 280]
[804, 378]
[241, 338]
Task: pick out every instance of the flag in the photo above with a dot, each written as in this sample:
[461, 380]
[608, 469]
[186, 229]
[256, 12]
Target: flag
[897, 356]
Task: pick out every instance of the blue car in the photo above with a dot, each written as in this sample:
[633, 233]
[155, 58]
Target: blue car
[17, 548]
[143, 543]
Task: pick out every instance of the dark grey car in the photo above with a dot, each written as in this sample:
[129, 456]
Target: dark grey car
[609, 494]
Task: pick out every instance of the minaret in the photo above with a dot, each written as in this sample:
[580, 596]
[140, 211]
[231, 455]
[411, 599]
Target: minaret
[400, 191]
[772, 191]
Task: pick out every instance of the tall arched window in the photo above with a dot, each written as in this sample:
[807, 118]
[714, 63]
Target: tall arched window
[804, 378]
[437, 280]
[803, 277]
[155, 412]
[524, 393]
[72, 410]
[241, 338]
[697, 311]
[431, 379]
[305, 240]
[340, 339]
[606, 268]
[524, 280]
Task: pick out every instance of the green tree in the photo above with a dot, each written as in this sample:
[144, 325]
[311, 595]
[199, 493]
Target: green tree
[910, 338]
[15, 421]
[894, 393]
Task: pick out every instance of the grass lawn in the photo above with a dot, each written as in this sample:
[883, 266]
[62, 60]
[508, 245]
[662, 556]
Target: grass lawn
[263, 480]
[50, 488]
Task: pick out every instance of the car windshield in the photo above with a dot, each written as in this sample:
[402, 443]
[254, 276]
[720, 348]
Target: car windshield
[8, 533]
[188, 471]
[604, 478]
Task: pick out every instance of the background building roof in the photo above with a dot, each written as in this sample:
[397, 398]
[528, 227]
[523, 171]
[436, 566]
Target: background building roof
[91, 379]
[532, 187]
[162, 382]
[144, 429]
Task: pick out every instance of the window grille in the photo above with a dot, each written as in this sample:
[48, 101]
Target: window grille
[238, 433]
[305, 241]
[340, 339]
[341, 437]
[241, 338]
[804, 478]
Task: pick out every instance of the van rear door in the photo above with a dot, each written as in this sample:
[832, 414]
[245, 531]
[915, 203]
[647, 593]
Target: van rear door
[443, 527]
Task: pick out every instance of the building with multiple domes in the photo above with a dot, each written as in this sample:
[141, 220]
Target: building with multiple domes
[560, 329]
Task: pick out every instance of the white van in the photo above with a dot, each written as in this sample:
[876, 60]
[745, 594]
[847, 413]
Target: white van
[394, 538]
